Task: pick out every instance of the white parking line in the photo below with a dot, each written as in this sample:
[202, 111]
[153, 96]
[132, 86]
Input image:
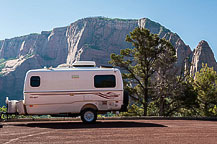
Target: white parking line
[30, 135]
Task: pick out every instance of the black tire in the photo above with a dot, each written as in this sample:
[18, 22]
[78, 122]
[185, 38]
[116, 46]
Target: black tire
[125, 102]
[89, 115]
[126, 98]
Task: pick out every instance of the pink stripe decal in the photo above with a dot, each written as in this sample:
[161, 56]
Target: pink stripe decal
[108, 95]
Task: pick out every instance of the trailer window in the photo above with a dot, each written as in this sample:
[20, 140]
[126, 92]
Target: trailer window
[104, 81]
[35, 81]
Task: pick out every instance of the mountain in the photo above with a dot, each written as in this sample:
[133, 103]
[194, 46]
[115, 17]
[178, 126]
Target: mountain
[202, 54]
[86, 39]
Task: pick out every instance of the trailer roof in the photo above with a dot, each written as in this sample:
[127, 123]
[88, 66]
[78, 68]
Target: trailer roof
[74, 69]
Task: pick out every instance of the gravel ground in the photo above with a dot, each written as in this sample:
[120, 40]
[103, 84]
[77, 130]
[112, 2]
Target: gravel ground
[110, 131]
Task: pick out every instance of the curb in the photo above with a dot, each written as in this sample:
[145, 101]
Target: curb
[159, 118]
[113, 118]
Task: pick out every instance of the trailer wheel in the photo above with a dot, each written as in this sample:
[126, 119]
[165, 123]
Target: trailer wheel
[89, 115]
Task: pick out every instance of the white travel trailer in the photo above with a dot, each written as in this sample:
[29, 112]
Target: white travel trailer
[83, 89]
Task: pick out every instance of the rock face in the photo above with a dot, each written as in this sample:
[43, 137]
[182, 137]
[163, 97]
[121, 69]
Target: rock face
[20, 54]
[96, 38]
[86, 39]
[202, 54]
[182, 50]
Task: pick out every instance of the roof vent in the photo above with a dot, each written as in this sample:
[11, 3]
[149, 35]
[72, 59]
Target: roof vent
[84, 64]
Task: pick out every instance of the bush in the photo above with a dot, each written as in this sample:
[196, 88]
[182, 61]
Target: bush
[133, 110]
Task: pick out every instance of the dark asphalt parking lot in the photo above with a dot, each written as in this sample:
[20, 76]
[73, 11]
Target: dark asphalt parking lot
[110, 131]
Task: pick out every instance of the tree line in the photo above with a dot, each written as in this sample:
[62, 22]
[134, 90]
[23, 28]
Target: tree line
[155, 84]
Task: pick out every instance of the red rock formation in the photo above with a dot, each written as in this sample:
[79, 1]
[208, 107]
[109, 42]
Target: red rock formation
[182, 50]
[202, 54]
[86, 39]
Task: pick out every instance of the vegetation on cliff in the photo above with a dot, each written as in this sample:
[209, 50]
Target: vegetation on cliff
[154, 84]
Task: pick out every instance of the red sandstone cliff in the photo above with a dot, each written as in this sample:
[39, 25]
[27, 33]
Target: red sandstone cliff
[86, 39]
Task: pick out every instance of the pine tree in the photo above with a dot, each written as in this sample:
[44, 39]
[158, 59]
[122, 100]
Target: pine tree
[205, 83]
[142, 62]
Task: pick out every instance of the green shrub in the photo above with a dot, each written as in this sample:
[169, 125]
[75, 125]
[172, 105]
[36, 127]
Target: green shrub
[133, 110]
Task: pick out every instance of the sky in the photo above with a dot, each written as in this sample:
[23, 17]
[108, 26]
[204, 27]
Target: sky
[192, 20]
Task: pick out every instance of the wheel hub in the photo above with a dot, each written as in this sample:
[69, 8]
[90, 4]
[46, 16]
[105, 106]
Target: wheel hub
[89, 116]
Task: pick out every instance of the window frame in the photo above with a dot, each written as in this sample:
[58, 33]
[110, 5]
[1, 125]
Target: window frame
[113, 85]
[31, 81]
